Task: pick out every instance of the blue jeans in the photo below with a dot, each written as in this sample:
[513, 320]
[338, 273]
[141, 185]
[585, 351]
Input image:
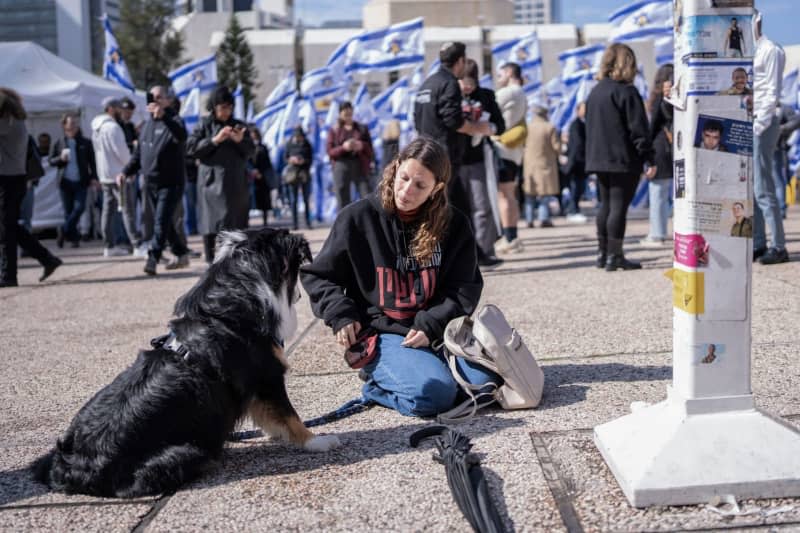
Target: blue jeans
[165, 200]
[416, 381]
[577, 186]
[766, 208]
[541, 204]
[190, 207]
[26, 209]
[660, 191]
[73, 198]
[780, 175]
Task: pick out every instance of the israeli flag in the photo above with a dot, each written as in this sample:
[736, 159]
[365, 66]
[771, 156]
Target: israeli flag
[201, 74]
[789, 91]
[114, 67]
[582, 58]
[190, 110]
[641, 19]
[794, 151]
[641, 84]
[434, 68]
[282, 91]
[363, 111]
[322, 83]
[238, 103]
[387, 103]
[523, 51]
[664, 49]
[576, 90]
[268, 122]
[397, 46]
[486, 81]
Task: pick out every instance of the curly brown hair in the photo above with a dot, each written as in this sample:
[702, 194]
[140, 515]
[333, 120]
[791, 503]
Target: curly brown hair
[434, 213]
[618, 63]
[11, 104]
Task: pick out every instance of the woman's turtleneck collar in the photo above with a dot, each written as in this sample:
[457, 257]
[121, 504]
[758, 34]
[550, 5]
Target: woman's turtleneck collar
[408, 216]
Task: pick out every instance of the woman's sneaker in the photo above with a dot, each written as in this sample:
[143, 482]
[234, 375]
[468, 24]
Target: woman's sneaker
[182, 261]
[509, 247]
[653, 242]
[114, 252]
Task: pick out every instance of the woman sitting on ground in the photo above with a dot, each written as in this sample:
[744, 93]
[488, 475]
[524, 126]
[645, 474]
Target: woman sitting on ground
[403, 263]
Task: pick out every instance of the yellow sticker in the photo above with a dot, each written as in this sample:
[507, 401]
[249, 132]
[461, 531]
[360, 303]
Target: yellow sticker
[688, 290]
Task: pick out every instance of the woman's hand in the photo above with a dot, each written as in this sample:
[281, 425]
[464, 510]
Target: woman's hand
[416, 339]
[347, 335]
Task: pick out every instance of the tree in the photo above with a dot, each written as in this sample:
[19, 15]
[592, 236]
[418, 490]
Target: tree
[149, 45]
[235, 64]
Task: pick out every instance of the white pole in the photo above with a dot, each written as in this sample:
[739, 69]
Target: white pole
[708, 438]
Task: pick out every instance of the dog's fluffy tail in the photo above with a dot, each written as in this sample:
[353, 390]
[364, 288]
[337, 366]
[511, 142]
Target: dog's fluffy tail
[160, 474]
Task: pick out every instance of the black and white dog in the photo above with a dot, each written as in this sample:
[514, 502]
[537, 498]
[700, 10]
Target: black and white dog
[161, 420]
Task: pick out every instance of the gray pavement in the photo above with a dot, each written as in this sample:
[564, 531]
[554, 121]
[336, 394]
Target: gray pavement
[604, 340]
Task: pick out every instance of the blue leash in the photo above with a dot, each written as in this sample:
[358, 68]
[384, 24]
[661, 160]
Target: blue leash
[348, 409]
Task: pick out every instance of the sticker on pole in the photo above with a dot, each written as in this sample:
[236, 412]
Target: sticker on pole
[715, 36]
[687, 290]
[691, 250]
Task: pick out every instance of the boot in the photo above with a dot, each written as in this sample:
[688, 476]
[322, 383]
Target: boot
[602, 254]
[618, 262]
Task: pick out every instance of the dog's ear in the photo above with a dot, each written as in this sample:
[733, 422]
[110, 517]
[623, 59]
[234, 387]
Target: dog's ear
[227, 241]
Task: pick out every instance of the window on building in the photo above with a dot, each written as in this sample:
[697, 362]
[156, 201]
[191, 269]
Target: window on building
[242, 5]
[209, 6]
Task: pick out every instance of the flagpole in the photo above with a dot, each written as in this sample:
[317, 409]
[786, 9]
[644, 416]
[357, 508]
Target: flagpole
[298, 53]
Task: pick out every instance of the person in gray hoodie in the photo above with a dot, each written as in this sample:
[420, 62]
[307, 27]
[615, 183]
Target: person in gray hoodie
[111, 155]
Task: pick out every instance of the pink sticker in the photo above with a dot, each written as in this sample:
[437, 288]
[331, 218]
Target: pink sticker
[691, 250]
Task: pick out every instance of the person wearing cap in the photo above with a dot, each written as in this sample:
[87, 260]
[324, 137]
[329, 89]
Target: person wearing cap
[159, 155]
[768, 65]
[112, 154]
[73, 157]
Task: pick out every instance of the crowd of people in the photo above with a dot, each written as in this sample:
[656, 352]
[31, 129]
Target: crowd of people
[143, 188]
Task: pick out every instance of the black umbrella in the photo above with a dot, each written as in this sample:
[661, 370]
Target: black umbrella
[465, 477]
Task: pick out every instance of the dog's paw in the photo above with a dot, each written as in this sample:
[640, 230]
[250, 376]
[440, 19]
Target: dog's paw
[322, 443]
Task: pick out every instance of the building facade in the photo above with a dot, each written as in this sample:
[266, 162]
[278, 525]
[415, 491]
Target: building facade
[60, 26]
[536, 11]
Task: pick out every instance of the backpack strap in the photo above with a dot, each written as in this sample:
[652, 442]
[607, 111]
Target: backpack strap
[466, 410]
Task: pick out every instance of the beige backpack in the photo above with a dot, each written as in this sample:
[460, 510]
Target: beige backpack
[488, 340]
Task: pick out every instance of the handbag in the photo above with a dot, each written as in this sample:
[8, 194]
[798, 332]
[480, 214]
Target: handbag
[294, 174]
[33, 163]
[487, 339]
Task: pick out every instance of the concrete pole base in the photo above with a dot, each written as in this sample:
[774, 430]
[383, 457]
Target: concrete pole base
[677, 453]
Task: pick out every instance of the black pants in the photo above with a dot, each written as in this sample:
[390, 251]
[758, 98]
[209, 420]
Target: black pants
[616, 193]
[12, 233]
[165, 200]
[305, 188]
[346, 172]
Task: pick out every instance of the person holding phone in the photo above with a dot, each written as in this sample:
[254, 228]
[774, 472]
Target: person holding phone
[222, 145]
[159, 157]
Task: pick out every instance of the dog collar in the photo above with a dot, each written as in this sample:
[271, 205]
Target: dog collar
[170, 342]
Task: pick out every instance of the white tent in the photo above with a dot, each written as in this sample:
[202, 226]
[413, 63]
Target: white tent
[50, 87]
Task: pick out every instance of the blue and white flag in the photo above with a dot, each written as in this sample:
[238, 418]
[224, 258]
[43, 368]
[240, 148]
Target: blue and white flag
[789, 90]
[387, 103]
[664, 48]
[114, 67]
[323, 83]
[641, 84]
[268, 122]
[576, 90]
[486, 81]
[397, 46]
[582, 58]
[641, 19]
[238, 103]
[282, 91]
[523, 51]
[434, 68]
[201, 74]
[416, 78]
[190, 110]
[363, 111]
[794, 151]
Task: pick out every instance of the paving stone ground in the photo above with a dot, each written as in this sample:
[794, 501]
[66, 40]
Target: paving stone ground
[603, 339]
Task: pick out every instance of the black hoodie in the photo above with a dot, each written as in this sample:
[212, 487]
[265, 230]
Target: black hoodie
[363, 274]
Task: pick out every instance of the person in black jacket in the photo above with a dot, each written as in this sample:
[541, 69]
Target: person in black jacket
[401, 263]
[73, 156]
[575, 169]
[617, 146]
[298, 157]
[223, 145]
[438, 114]
[472, 173]
[660, 186]
[159, 155]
